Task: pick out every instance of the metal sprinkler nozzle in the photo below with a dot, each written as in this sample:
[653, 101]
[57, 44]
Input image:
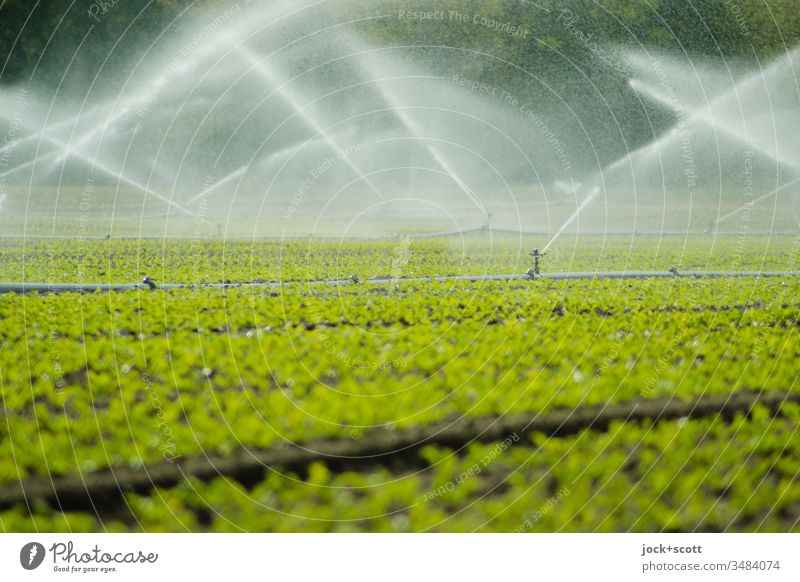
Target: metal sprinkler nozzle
[150, 283]
[536, 254]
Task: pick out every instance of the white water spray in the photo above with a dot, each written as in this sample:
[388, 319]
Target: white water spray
[755, 201]
[280, 85]
[572, 218]
[741, 132]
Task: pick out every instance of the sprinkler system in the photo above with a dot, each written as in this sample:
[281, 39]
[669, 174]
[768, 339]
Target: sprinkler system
[529, 275]
[536, 254]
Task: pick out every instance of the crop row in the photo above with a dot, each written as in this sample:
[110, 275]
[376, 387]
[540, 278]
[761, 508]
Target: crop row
[216, 260]
[703, 474]
[147, 314]
[385, 446]
[121, 380]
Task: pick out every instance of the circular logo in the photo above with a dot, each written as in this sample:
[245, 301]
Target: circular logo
[31, 555]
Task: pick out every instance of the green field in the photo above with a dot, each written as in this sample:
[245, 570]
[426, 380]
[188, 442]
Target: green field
[125, 385]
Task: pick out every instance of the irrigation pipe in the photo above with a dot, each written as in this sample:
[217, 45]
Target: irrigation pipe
[22, 288]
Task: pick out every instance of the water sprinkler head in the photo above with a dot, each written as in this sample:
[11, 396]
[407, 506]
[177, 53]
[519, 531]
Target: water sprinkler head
[536, 254]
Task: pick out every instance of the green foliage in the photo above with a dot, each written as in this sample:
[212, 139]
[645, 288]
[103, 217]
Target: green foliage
[49, 41]
[110, 380]
[764, 28]
[215, 261]
[707, 475]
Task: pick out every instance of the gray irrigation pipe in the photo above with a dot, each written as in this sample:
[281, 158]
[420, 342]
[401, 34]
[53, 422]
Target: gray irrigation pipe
[22, 288]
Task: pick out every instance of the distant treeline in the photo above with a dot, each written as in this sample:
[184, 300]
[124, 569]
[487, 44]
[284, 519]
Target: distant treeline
[567, 42]
[730, 28]
[40, 39]
[564, 58]
[44, 41]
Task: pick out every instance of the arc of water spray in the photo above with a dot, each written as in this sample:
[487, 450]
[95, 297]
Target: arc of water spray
[31, 137]
[441, 160]
[567, 188]
[60, 153]
[23, 140]
[148, 93]
[398, 110]
[572, 218]
[28, 164]
[672, 133]
[89, 135]
[206, 191]
[64, 151]
[704, 115]
[94, 163]
[275, 81]
[264, 161]
[774, 192]
[57, 155]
